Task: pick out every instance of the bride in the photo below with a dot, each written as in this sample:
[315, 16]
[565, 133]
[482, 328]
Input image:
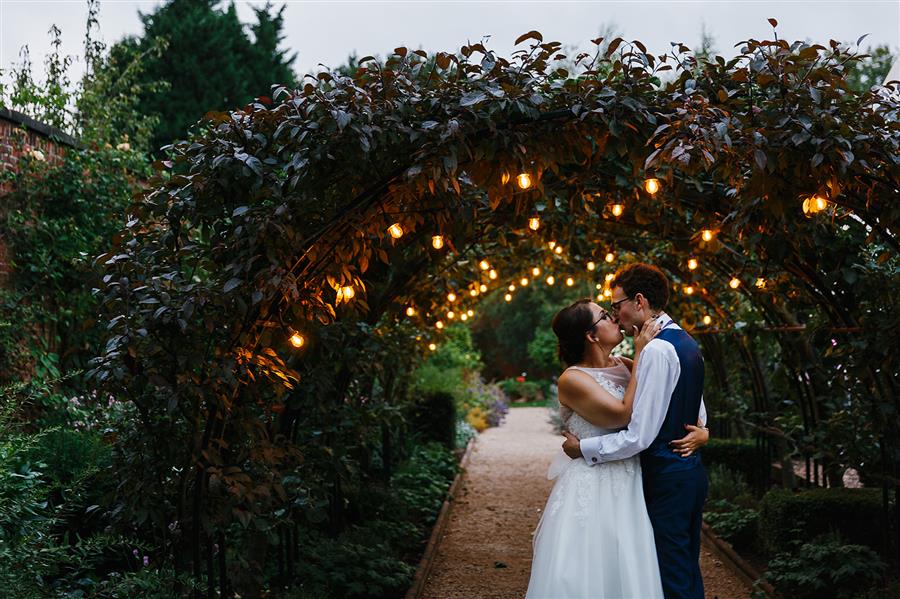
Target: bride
[594, 539]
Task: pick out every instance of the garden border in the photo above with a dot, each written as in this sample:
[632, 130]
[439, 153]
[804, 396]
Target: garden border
[733, 561]
[437, 532]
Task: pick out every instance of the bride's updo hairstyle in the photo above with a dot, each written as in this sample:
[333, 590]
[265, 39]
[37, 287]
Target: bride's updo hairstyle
[570, 326]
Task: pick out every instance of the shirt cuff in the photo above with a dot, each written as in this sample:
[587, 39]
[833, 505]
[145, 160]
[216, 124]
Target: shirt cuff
[590, 450]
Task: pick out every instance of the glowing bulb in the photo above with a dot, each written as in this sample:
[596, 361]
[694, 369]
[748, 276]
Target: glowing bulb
[297, 340]
[492, 275]
[820, 203]
[464, 317]
[432, 346]
[610, 257]
[706, 235]
[617, 209]
[473, 292]
[437, 242]
[607, 293]
[734, 283]
[483, 265]
[552, 244]
[761, 283]
[508, 297]
[814, 204]
[511, 287]
[609, 277]
[707, 320]
[651, 185]
[504, 178]
[558, 249]
[451, 315]
[534, 223]
[451, 297]
[439, 325]
[524, 282]
[523, 180]
[410, 311]
[692, 264]
[599, 297]
[482, 288]
[570, 281]
[470, 312]
[346, 293]
[536, 271]
[591, 266]
[551, 280]
[689, 290]
[396, 231]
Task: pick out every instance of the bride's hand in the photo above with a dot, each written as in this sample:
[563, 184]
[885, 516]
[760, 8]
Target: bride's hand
[696, 438]
[647, 333]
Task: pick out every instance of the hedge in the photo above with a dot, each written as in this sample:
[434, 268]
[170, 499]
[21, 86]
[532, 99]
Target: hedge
[739, 455]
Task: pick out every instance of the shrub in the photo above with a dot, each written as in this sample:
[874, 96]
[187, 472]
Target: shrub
[434, 417]
[825, 569]
[521, 390]
[735, 524]
[421, 483]
[477, 418]
[787, 517]
[739, 455]
[727, 484]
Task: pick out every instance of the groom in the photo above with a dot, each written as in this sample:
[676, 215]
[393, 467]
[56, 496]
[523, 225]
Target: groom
[668, 397]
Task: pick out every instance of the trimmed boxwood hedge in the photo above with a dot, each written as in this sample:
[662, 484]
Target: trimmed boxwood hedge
[739, 455]
[786, 516]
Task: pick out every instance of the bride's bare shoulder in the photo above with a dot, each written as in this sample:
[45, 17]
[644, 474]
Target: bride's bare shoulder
[628, 362]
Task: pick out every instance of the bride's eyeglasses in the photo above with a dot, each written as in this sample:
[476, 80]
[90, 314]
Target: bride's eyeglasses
[603, 316]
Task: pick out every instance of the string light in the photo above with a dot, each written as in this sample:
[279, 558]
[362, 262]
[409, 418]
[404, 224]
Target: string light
[523, 180]
[599, 286]
[534, 223]
[599, 297]
[470, 312]
[607, 293]
[346, 293]
[482, 288]
[609, 277]
[297, 340]
[483, 265]
[689, 290]
[692, 264]
[432, 346]
[439, 325]
[508, 297]
[536, 271]
[552, 244]
[504, 178]
[734, 283]
[511, 287]
[814, 204]
[617, 209]
[761, 283]
[473, 292]
[524, 282]
[396, 231]
[591, 266]
[707, 234]
[437, 241]
[570, 281]
[610, 257]
[451, 297]
[464, 317]
[558, 249]
[451, 315]
[551, 280]
[492, 274]
[410, 311]
[707, 320]
[651, 185]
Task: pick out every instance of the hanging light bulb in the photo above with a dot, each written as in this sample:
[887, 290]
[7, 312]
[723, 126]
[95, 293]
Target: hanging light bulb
[558, 249]
[464, 317]
[437, 241]
[482, 288]
[470, 312]
[552, 244]
[761, 283]
[432, 346]
[523, 180]
[599, 297]
[396, 231]
[451, 315]
[651, 185]
[814, 204]
[707, 234]
[707, 320]
[689, 290]
[410, 311]
[610, 257]
[692, 264]
[483, 265]
[599, 286]
[451, 297]
[504, 178]
[591, 266]
[346, 293]
[439, 325]
[508, 297]
[511, 287]
[617, 209]
[536, 271]
[609, 277]
[297, 340]
[607, 293]
[570, 281]
[523, 282]
[551, 280]
[734, 283]
[534, 223]
[492, 274]
[473, 292]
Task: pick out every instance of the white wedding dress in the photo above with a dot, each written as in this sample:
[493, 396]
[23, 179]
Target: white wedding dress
[594, 539]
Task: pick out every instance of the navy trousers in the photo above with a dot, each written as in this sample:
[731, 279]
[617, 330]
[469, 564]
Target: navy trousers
[675, 505]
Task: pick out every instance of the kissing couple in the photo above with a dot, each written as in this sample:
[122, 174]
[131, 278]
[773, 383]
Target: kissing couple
[623, 518]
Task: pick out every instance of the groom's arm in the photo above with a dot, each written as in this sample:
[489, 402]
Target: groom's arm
[657, 375]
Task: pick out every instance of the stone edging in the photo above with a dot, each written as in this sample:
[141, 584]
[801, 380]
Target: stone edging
[437, 532]
[734, 562]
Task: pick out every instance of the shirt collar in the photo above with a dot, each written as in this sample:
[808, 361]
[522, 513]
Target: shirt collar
[667, 321]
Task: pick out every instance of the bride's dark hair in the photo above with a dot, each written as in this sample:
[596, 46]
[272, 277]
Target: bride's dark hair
[570, 325]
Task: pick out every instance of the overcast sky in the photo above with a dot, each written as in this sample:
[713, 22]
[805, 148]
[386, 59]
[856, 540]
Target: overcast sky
[326, 32]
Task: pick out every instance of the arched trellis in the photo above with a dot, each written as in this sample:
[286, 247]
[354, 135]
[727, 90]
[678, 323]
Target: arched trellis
[259, 227]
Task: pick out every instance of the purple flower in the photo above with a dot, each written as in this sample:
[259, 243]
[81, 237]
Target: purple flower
[146, 560]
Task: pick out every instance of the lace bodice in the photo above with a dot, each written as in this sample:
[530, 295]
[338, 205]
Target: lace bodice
[577, 425]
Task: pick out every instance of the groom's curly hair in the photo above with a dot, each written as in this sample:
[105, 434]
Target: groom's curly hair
[645, 279]
[570, 326]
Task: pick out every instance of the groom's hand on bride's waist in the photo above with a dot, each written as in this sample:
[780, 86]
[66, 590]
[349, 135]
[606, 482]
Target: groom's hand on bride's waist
[572, 446]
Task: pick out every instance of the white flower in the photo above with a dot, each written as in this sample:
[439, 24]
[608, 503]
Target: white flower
[124, 146]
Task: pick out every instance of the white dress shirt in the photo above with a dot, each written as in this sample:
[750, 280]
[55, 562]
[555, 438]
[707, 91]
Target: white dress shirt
[658, 370]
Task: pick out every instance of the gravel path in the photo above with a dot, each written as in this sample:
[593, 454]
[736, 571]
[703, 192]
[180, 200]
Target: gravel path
[486, 551]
